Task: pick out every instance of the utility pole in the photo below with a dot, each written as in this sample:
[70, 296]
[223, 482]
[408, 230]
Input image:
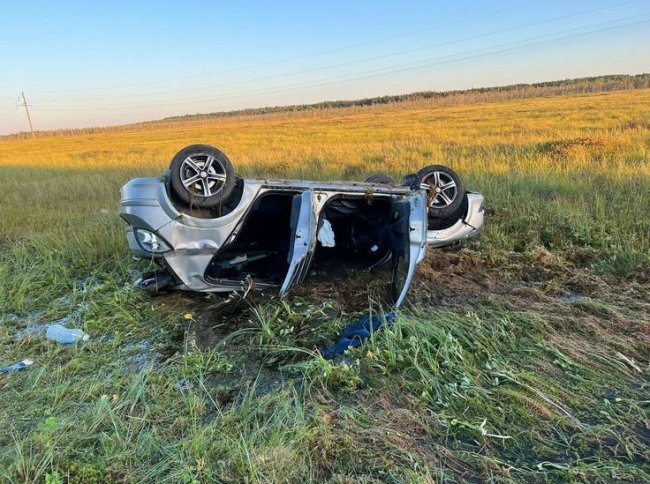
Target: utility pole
[27, 106]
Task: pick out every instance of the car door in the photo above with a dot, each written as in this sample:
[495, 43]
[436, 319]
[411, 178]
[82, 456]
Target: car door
[303, 238]
[408, 233]
[408, 240]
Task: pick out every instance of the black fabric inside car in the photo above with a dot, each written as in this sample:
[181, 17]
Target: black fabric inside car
[361, 233]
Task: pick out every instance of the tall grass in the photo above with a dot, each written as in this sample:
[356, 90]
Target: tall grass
[521, 356]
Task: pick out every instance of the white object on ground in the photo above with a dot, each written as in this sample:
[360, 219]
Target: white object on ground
[66, 336]
[326, 234]
[21, 365]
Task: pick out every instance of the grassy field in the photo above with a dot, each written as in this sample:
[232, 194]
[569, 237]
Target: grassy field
[523, 355]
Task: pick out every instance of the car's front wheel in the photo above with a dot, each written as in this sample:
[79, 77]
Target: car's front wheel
[202, 176]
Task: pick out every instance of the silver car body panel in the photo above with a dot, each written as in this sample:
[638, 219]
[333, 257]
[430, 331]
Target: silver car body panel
[304, 241]
[194, 241]
[417, 239]
[465, 228]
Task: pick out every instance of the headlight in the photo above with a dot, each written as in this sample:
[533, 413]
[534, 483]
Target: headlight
[150, 242]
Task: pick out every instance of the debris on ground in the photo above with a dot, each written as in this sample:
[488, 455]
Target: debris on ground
[353, 335]
[571, 297]
[184, 384]
[33, 329]
[21, 365]
[35, 322]
[9, 318]
[63, 335]
[139, 356]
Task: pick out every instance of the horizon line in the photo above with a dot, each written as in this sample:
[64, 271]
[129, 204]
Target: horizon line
[351, 102]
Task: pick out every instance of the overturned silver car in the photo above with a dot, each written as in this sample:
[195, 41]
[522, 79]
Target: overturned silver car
[209, 230]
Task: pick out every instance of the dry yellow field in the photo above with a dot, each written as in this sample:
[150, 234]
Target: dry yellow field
[595, 133]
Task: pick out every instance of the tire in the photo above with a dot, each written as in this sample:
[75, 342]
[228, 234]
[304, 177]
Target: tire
[446, 222]
[197, 187]
[380, 178]
[446, 191]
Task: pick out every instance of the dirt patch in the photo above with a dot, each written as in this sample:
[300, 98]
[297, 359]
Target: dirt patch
[396, 429]
[585, 146]
[587, 315]
[350, 293]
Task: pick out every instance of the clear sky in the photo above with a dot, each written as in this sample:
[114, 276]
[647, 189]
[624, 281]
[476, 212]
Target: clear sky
[95, 63]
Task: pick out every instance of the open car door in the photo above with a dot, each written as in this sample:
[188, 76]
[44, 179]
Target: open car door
[408, 233]
[303, 238]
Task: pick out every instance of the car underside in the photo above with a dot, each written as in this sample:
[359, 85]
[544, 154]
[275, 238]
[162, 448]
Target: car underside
[274, 234]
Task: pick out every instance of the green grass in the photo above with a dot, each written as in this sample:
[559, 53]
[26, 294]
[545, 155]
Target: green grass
[522, 355]
[487, 374]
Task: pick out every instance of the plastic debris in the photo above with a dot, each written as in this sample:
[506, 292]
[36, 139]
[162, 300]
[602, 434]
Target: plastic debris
[326, 234]
[21, 365]
[353, 335]
[63, 335]
[154, 282]
[184, 384]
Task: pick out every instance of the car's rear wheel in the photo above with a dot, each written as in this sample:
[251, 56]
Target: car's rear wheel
[380, 178]
[445, 190]
[202, 176]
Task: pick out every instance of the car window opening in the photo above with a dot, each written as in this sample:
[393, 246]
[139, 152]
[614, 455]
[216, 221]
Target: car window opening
[261, 248]
[356, 232]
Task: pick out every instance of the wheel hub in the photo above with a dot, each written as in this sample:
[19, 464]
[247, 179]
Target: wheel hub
[442, 189]
[202, 175]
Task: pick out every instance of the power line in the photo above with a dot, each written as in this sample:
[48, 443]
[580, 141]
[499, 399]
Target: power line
[6, 114]
[501, 48]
